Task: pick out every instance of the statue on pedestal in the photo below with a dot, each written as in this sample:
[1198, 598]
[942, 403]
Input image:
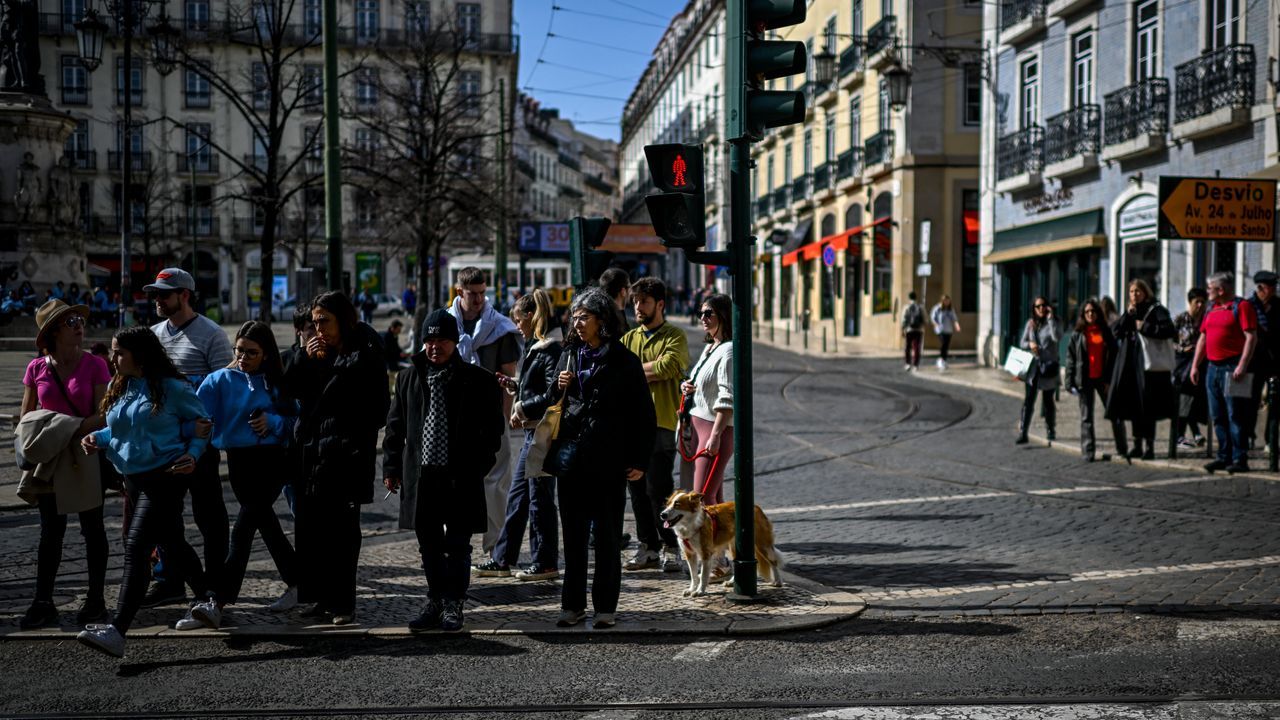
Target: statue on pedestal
[63, 204]
[29, 187]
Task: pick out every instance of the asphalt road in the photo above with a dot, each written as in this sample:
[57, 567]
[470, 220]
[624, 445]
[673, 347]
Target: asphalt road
[1001, 581]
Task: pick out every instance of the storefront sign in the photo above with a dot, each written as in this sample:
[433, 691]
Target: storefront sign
[1217, 209]
[924, 270]
[369, 272]
[1048, 202]
[538, 237]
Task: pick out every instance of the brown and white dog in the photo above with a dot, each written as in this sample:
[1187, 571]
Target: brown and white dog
[707, 530]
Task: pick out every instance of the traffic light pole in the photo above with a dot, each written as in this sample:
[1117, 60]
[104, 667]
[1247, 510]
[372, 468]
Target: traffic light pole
[332, 146]
[741, 249]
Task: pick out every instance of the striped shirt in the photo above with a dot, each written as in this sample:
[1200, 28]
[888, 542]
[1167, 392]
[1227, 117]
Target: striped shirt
[197, 349]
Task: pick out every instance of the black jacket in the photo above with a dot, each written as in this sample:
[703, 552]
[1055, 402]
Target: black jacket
[473, 402]
[344, 403]
[1078, 358]
[1266, 353]
[1135, 393]
[537, 390]
[612, 418]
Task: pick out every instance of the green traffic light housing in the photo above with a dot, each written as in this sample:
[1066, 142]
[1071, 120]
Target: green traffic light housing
[585, 263]
[772, 14]
[677, 212]
[768, 60]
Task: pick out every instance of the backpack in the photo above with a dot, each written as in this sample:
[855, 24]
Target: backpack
[914, 317]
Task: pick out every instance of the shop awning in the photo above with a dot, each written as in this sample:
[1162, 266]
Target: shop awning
[1081, 231]
[838, 241]
[971, 227]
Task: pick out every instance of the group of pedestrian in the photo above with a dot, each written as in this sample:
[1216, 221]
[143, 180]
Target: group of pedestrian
[945, 324]
[1212, 361]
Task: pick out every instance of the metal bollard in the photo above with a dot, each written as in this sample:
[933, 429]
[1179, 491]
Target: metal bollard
[824, 339]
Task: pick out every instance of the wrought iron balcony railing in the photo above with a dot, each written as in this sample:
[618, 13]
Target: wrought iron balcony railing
[1013, 12]
[850, 60]
[1139, 109]
[203, 163]
[849, 164]
[202, 225]
[802, 188]
[138, 160]
[82, 159]
[823, 177]
[1218, 79]
[781, 198]
[879, 148]
[881, 35]
[1072, 133]
[1020, 152]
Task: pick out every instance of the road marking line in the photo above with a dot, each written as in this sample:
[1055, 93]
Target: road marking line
[1075, 711]
[702, 650]
[1227, 629]
[985, 495]
[1088, 576]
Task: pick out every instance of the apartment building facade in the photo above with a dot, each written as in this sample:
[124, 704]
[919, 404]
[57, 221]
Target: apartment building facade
[1094, 101]
[849, 205]
[180, 208]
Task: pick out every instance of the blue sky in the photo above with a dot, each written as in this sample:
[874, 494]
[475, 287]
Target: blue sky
[593, 58]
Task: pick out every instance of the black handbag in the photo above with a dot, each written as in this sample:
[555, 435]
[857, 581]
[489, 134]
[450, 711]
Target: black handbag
[562, 459]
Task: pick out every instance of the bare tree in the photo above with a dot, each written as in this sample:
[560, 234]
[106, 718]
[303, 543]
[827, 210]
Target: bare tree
[425, 152]
[267, 95]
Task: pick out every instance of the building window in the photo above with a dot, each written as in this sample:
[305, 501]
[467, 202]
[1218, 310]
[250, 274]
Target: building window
[808, 152]
[366, 210]
[469, 21]
[367, 88]
[969, 261]
[259, 157]
[886, 8]
[829, 37]
[1146, 40]
[884, 109]
[77, 147]
[313, 147]
[367, 143]
[768, 177]
[829, 140]
[786, 164]
[1029, 74]
[856, 17]
[1224, 23]
[312, 19]
[972, 94]
[72, 13]
[882, 255]
[75, 81]
[135, 78]
[197, 19]
[261, 89]
[1082, 69]
[417, 18]
[264, 17]
[366, 21]
[469, 91]
[199, 153]
[855, 121]
[135, 139]
[197, 89]
[312, 86]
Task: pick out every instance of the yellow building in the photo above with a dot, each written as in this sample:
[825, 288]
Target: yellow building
[845, 201]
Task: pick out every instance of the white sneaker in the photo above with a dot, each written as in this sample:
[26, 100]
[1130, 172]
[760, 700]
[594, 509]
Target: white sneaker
[286, 602]
[208, 614]
[103, 638]
[604, 621]
[906, 368]
[644, 559]
[670, 560]
[188, 622]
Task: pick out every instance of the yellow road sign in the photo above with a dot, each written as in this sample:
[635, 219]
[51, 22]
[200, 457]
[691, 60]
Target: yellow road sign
[1217, 209]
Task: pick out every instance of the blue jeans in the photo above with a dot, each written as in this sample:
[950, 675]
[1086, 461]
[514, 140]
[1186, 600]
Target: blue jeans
[1228, 413]
[532, 501]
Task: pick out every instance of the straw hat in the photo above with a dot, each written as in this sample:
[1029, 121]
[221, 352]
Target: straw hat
[51, 315]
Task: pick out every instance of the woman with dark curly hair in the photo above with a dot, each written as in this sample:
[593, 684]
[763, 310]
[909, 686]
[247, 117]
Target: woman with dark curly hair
[606, 437]
[146, 405]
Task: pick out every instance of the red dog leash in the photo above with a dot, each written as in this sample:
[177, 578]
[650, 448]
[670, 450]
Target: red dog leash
[684, 453]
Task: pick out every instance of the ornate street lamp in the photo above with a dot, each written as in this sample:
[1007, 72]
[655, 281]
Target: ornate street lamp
[899, 81]
[164, 44]
[90, 31]
[824, 67]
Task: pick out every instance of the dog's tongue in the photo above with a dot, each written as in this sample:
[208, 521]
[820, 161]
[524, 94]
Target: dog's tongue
[666, 524]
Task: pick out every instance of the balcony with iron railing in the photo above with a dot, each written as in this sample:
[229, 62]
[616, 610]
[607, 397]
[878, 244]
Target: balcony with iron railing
[569, 161]
[824, 179]
[201, 163]
[203, 224]
[710, 128]
[1135, 119]
[881, 41]
[1020, 159]
[802, 188]
[138, 161]
[849, 165]
[75, 94]
[762, 207]
[851, 64]
[82, 159]
[1073, 140]
[1214, 92]
[781, 201]
[878, 153]
[1020, 19]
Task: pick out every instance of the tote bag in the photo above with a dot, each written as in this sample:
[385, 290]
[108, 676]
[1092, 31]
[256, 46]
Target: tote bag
[1018, 363]
[545, 433]
[1157, 355]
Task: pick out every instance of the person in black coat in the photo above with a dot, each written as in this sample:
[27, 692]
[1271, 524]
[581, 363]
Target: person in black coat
[341, 384]
[1139, 395]
[606, 438]
[1090, 359]
[443, 433]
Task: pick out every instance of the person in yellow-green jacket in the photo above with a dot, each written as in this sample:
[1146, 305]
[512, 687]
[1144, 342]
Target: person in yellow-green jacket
[663, 348]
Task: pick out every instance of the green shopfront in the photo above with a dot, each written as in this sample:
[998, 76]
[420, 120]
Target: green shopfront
[1058, 259]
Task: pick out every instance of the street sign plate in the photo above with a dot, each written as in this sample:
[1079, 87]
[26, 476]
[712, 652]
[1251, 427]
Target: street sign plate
[828, 256]
[924, 270]
[926, 229]
[1194, 208]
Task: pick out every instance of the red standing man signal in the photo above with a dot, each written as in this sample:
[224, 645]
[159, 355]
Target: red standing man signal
[678, 169]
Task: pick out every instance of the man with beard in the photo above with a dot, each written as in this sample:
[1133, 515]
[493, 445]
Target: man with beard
[443, 432]
[663, 350]
[197, 346]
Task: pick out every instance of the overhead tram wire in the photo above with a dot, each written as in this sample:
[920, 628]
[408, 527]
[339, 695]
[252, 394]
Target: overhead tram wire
[599, 45]
[589, 72]
[551, 19]
[639, 9]
[602, 16]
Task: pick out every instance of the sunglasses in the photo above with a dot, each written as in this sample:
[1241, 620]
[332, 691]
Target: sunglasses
[246, 352]
[74, 321]
[707, 314]
[581, 319]
[1041, 306]
[161, 294]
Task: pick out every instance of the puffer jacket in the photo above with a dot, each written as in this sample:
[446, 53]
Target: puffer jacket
[537, 389]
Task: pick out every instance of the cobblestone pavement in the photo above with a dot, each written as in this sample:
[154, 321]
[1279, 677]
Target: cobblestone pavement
[905, 491]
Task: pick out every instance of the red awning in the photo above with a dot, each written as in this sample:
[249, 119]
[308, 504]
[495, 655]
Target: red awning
[791, 258]
[971, 227]
[839, 241]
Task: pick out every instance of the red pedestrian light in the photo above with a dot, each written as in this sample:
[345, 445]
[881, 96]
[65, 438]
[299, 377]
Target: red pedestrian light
[678, 169]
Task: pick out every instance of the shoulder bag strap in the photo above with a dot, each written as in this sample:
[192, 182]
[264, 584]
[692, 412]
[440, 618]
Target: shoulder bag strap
[62, 386]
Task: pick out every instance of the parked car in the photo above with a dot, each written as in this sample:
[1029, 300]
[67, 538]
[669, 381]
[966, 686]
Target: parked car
[388, 306]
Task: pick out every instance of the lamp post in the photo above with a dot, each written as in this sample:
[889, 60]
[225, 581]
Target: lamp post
[90, 32]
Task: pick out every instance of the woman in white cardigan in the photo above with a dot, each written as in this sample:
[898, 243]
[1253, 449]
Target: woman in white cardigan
[710, 387]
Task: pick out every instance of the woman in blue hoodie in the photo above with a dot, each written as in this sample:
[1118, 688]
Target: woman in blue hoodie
[248, 413]
[147, 405]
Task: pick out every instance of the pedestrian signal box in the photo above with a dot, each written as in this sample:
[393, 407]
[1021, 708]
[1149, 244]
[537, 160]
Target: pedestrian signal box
[677, 212]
